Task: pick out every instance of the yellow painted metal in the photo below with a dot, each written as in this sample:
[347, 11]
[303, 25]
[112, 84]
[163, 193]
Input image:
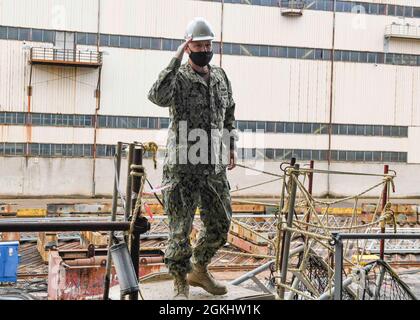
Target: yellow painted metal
[364, 259]
[31, 212]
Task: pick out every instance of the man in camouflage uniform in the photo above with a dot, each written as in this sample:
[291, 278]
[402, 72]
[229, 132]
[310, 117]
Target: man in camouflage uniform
[199, 98]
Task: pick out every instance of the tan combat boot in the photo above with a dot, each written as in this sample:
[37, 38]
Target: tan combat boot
[181, 288]
[200, 277]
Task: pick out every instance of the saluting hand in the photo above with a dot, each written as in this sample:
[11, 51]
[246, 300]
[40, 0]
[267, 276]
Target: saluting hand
[182, 48]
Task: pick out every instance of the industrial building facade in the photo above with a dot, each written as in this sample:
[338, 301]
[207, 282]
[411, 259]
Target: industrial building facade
[337, 82]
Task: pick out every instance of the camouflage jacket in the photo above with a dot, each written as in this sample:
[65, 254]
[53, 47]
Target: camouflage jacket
[195, 104]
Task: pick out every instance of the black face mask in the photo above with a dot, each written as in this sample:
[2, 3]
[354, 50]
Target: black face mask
[201, 58]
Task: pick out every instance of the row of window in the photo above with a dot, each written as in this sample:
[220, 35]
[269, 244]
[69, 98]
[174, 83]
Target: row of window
[136, 42]
[125, 122]
[86, 150]
[341, 6]
[322, 155]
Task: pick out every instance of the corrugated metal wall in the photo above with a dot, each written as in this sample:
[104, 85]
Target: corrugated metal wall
[50, 14]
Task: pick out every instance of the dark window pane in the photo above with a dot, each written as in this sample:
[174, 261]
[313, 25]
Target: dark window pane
[377, 130]
[298, 128]
[48, 36]
[114, 41]
[354, 56]
[156, 44]
[369, 130]
[342, 156]
[261, 125]
[324, 129]
[380, 57]
[92, 39]
[318, 54]
[316, 128]
[216, 47]
[289, 127]
[326, 54]
[306, 155]
[167, 44]
[395, 131]
[236, 49]
[264, 51]
[363, 57]
[132, 122]
[377, 156]
[399, 11]
[371, 57]
[227, 48]
[368, 156]
[408, 12]
[387, 131]
[164, 123]
[386, 156]
[135, 43]
[402, 156]
[153, 123]
[389, 58]
[404, 131]
[351, 155]
[125, 41]
[291, 52]
[102, 121]
[307, 128]
[416, 12]
[242, 125]
[270, 126]
[145, 43]
[323, 155]
[12, 33]
[20, 118]
[335, 129]
[373, 8]
[360, 130]
[394, 156]
[122, 122]
[342, 129]
[280, 127]
[382, 9]
[37, 35]
[81, 38]
[252, 125]
[3, 32]
[351, 129]
[269, 154]
[345, 56]
[143, 123]
[337, 55]
[334, 155]
[104, 40]
[359, 155]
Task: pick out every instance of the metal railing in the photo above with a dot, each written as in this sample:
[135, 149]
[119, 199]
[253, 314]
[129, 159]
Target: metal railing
[66, 55]
[402, 31]
[338, 254]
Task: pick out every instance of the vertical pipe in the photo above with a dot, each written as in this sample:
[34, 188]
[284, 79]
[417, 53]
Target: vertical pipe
[98, 26]
[338, 267]
[288, 234]
[292, 163]
[331, 97]
[128, 187]
[135, 237]
[95, 129]
[384, 201]
[310, 185]
[113, 218]
[221, 31]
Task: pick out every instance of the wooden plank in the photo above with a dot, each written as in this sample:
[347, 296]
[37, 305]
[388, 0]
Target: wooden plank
[247, 246]
[98, 239]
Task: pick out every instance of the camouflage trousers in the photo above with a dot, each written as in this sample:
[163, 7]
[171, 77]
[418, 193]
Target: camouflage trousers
[187, 192]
